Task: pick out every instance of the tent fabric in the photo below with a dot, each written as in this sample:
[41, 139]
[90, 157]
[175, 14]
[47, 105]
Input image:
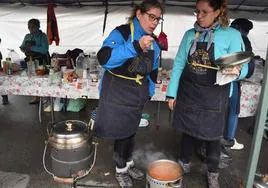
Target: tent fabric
[252, 3]
[81, 27]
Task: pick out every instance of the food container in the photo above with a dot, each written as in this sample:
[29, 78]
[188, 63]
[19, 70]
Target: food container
[163, 174]
[71, 148]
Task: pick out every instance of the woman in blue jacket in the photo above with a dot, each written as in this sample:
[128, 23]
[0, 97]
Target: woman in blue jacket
[199, 104]
[130, 56]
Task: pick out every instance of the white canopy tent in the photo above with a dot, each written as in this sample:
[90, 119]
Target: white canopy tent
[81, 27]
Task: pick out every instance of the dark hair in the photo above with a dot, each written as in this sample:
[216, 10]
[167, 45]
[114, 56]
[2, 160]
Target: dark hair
[144, 7]
[222, 6]
[242, 24]
[35, 22]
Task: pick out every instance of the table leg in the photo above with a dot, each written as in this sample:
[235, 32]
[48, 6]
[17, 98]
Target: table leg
[40, 110]
[158, 114]
[52, 110]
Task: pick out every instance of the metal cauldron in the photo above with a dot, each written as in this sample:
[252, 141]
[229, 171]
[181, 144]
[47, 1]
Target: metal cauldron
[163, 174]
[71, 148]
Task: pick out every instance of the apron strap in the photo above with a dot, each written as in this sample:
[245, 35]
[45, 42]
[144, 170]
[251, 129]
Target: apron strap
[132, 34]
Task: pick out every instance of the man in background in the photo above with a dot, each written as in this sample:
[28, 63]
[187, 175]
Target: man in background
[35, 47]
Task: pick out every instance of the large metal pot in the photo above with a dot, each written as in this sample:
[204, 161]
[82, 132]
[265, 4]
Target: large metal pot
[163, 174]
[71, 148]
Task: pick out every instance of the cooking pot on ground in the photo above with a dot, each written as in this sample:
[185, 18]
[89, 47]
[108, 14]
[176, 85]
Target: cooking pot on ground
[71, 148]
[164, 173]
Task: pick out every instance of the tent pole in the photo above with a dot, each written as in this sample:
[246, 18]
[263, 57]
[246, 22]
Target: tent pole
[162, 27]
[242, 2]
[259, 129]
[105, 17]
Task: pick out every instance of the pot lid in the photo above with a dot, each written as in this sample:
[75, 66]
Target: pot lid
[69, 128]
[234, 59]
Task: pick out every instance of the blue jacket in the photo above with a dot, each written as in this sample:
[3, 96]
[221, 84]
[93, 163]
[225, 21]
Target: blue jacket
[226, 41]
[119, 49]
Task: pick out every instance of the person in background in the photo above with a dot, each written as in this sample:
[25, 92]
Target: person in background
[200, 105]
[35, 47]
[130, 56]
[4, 97]
[243, 25]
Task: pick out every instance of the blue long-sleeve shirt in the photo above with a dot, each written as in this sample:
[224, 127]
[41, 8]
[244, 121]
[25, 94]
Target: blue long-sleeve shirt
[226, 41]
[119, 50]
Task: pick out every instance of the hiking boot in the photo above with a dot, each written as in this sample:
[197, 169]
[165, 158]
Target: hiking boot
[123, 179]
[135, 173]
[185, 167]
[213, 180]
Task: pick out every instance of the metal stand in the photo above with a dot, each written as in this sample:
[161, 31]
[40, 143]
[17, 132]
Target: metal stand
[158, 114]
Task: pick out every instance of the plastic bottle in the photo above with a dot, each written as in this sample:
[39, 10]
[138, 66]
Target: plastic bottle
[94, 67]
[79, 65]
[86, 64]
[9, 66]
[30, 67]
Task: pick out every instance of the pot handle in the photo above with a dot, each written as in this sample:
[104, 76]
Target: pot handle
[177, 184]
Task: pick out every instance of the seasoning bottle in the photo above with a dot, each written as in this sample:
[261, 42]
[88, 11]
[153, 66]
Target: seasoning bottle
[9, 66]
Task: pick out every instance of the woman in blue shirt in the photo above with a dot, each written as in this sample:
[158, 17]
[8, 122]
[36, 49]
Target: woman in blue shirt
[199, 104]
[130, 56]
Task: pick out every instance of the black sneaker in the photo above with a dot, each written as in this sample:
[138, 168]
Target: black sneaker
[123, 179]
[135, 173]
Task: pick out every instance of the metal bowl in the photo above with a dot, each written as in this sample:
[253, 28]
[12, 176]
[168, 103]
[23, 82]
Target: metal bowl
[234, 59]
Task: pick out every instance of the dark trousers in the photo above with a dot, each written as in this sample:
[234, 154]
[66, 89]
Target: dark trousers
[123, 149]
[189, 144]
[4, 98]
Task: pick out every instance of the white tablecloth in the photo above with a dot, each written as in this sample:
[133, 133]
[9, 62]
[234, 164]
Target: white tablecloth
[38, 86]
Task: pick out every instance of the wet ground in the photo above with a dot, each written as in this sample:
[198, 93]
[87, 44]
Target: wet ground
[22, 140]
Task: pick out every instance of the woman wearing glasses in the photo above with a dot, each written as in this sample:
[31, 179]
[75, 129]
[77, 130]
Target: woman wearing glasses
[199, 104]
[130, 56]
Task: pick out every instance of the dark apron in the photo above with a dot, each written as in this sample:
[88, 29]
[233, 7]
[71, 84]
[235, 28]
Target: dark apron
[201, 106]
[121, 102]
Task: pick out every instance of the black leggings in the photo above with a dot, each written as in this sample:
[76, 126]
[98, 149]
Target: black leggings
[123, 149]
[212, 150]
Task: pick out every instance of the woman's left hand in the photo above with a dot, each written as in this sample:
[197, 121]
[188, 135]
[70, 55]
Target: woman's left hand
[233, 70]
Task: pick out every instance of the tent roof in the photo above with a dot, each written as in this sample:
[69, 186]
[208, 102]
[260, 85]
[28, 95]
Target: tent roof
[252, 5]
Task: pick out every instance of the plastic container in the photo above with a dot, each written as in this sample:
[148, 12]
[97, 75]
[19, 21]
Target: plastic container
[15, 57]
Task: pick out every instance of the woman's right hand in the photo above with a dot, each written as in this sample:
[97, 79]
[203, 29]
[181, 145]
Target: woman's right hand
[146, 42]
[171, 103]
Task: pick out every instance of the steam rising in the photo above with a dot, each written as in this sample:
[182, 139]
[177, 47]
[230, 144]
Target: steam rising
[149, 153]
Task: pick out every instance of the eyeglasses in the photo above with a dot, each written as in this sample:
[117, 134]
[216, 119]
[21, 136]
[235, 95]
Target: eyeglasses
[202, 12]
[153, 18]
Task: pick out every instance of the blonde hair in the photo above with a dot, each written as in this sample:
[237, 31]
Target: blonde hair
[220, 5]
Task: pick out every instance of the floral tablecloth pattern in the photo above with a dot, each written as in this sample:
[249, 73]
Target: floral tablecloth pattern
[249, 99]
[38, 86]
